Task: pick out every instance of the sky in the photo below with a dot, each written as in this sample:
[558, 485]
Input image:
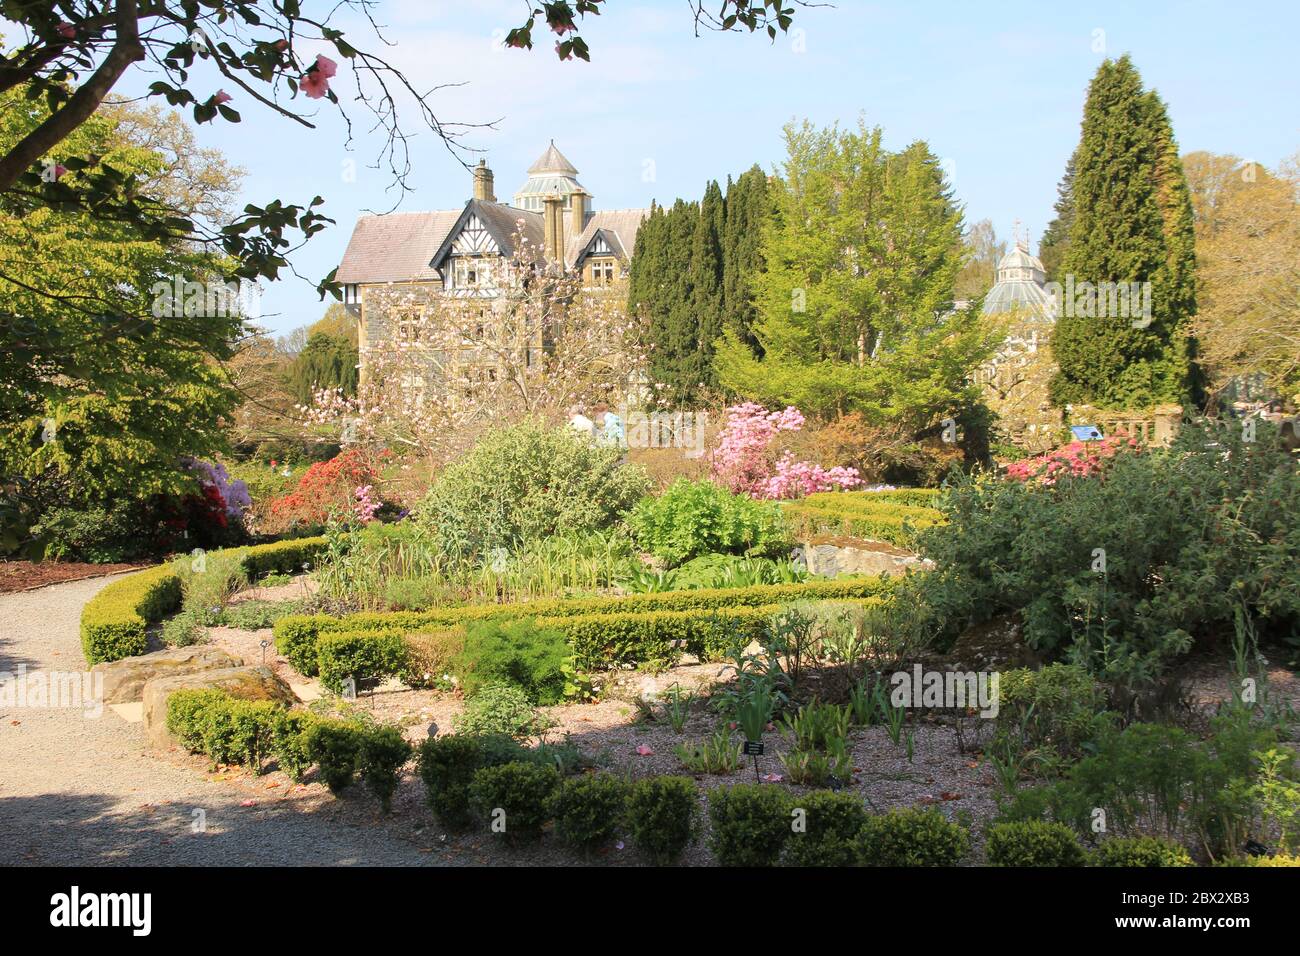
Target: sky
[996, 89]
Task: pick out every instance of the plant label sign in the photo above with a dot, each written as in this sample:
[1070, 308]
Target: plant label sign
[753, 748]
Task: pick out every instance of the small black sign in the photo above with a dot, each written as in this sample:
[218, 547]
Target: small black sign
[753, 748]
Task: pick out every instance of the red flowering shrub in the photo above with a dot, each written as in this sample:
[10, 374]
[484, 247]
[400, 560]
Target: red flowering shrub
[1078, 458]
[326, 486]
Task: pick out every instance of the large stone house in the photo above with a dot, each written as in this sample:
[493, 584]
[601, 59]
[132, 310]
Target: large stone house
[401, 269]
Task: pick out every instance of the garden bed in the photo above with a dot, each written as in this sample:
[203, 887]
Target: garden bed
[29, 575]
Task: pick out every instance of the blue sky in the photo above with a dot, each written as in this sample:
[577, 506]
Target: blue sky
[997, 89]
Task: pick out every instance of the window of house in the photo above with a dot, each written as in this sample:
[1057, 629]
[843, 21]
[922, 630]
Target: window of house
[602, 271]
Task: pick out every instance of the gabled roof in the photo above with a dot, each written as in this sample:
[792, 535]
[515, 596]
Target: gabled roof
[395, 247]
[618, 226]
[501, 222]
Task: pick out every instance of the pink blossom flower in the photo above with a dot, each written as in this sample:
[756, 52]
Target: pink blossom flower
[221, 96]
[645, 750]
[772, 778]
[59, 170]
[315, 84]
[325, 66]
[66, 30]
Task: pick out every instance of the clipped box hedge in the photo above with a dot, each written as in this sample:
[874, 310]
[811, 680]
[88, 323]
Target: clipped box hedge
[114, 622]
[896, 529]
[891, 516]
[295, 634]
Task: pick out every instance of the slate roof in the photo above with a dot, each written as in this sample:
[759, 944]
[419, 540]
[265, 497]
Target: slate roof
[395, 247]
[619, 226]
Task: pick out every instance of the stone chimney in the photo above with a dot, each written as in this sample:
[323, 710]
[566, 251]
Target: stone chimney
[483, 182]
[553, 227]
[578, 219]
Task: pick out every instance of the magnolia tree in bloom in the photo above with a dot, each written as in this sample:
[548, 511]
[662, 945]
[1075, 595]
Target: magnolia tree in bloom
[746, 461]
[453, 367]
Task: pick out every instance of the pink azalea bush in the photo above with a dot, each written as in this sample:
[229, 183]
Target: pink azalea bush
[368, 503]
[743, 461]
[1077, 459]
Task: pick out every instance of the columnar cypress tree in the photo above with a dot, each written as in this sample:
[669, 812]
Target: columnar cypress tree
[748, 209]
[1056, 237]
[705, 320]
[1132, 224]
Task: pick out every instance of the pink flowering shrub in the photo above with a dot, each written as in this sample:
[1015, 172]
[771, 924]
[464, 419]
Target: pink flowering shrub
[1077, 459]
[744, 460]
[368, 503]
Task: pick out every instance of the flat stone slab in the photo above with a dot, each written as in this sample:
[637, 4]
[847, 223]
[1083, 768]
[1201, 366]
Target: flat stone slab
[246, 683]
[867, 558]
[124, 680]
[131, 713]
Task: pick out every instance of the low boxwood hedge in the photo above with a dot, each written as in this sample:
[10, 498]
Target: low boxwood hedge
[894, 526]
[295, 634]
[650, 638]
[114, 621]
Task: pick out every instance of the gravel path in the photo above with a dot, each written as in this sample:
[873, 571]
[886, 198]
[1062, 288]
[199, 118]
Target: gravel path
[81, 790]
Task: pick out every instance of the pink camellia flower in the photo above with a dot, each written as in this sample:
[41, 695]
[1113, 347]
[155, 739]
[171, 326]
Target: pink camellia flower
[645, 750]
[66, 30]
[315, 84]
[325, 66]
[221, 96]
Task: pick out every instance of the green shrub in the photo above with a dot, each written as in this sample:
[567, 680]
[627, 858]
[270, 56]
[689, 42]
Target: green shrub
[518, 653]
[911, 837]
[226, 729]
[1193, 535]
[526, 483]
[361, 656]
[335, 746]
[446, 765]
[1141, 851]
[184, 629]
[588, 810]
[500, 709]
[661, 815]
[1059, 706]
[693, 518]
[113, 622]
[289, 742]
[186, 710]
[1033, 843]
[1157, 778]
[514, 798]
[750, 824]
[831, 824]
[384, 751]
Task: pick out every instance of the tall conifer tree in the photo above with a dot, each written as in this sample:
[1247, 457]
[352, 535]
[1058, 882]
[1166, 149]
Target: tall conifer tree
[1132, 224]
